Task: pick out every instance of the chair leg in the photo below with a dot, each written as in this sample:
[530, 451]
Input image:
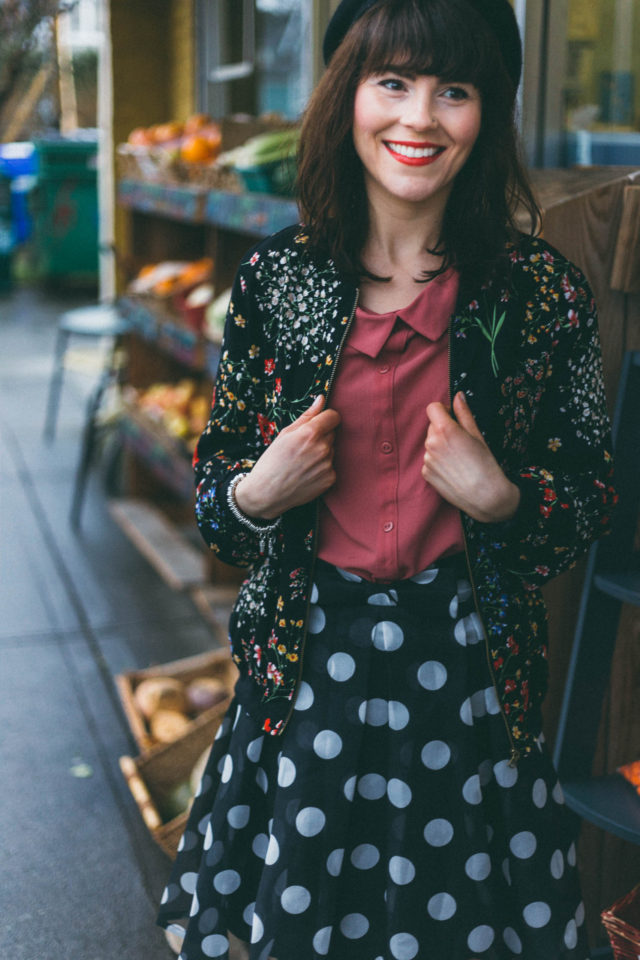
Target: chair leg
[55, 386]
[87, 449]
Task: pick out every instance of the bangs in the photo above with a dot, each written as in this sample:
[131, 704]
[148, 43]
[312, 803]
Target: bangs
[441, 38]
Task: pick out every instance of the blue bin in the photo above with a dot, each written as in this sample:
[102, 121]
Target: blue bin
[18, 159]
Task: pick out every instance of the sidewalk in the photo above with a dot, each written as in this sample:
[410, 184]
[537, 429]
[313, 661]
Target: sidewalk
[80, 877]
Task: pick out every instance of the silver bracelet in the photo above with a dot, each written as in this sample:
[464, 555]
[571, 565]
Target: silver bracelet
[263, 530]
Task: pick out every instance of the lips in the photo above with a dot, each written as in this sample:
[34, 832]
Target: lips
[412, 153]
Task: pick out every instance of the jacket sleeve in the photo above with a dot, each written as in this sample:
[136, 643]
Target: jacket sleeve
[566, 486]
[238, 430]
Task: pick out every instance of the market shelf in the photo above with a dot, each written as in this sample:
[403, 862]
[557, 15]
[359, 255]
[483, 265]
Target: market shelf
[166, 457]
[172, 337]
[256, 214]
[623, 586]
[610, 802]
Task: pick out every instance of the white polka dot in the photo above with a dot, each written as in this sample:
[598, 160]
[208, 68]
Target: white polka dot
[295, 899]
[464, 590]
[381, 600]
[260, 845]
[203, 824]
[334, 862]
[398, 715]
[399, 793]
[453, 608]
[227, 881]
[305, 697]
[571, 935]
[327, 744]
[286, 772]
[485, 772]
[571, 855]
[471, 790]
[310, 821]
[468, 630]
[403, 946]
[321, 941]
[351, 577]
[539, 793]
[580, 914]
[466, 714]
[195, 905]
[349, 788]
[523, 845]
[188, 882]
[273, 851]
[387, 636]
[478, 866]
[557, 865]
[506, 869]
[505, 775]
[314, 594]
[436, 754]
[480, 938]
[254, 750]
[208, 837]
[261, 779]
[401, 870]
[238, 816]
[341, 666]
[557, 794]
[537, 914]
[317, 620]
[227, 768]
[491, 701]
[248, 913]
[438, 832]
[425, 576]
[215, 945]
[354, 926]
[478, 706]
[365, 856]
[442, 906]
[432, 675]
[372, 786]
[375, 712]
[512, 940]
[257, 929]
[237, 716]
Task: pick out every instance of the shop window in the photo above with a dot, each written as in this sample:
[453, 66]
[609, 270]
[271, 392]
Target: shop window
[602, 82]
[254, 56]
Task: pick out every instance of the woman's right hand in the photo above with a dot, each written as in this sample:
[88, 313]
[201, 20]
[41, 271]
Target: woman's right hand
[296, 468]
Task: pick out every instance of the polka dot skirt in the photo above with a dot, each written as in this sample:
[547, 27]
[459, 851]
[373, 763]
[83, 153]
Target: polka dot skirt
[385, 823]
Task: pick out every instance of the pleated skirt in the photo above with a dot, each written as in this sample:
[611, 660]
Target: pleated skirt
[386, 822]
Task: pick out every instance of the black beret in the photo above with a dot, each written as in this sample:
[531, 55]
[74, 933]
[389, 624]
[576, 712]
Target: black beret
[497, 13]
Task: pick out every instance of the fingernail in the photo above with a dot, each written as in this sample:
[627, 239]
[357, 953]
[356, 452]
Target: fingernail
[462, 396]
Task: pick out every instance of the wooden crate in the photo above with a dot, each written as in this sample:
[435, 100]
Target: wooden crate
[157, 772]
[216, 663]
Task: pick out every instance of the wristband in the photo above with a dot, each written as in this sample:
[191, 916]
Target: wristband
[262, 530]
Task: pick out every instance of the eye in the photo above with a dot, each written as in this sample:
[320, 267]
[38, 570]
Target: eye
[394, 84]
[455, 92]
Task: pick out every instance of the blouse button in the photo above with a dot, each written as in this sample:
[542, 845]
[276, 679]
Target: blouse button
[386, 446]
[388, 526]
[384, 368]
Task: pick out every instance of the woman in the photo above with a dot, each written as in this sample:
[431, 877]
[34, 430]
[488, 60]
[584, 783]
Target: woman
[408, 437]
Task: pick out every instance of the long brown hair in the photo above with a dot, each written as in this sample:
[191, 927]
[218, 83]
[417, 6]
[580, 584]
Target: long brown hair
[448, 39]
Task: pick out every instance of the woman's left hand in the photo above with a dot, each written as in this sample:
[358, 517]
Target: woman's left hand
[460, 466]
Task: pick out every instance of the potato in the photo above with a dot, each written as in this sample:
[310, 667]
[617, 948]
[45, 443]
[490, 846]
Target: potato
[168, 725]
[160, 693]
[203, 693]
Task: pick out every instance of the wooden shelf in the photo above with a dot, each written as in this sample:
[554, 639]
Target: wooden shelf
[172, 337]
[256, 214]
[165, 456]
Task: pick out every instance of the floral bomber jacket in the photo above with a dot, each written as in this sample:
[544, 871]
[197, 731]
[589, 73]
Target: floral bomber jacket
[526, 353]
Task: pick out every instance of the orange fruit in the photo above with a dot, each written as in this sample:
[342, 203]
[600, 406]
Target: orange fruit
[196, 122]
[139, 137]
[165, 132]
[196, 149]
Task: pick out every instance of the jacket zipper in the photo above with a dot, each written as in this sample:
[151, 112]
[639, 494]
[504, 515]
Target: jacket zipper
[315, 531]
[514, 752]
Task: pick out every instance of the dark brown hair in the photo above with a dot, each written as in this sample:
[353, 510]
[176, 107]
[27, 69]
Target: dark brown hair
[448, 39]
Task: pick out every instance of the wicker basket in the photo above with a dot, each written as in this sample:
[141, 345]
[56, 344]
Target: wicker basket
[217, 663]
[622, 923]
[155, 774]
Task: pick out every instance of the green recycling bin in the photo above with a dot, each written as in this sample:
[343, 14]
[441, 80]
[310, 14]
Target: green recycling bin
[64, 206]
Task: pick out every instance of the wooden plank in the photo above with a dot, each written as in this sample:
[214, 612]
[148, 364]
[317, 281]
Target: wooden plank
[179, 564]
[625, 275]
[214, 602]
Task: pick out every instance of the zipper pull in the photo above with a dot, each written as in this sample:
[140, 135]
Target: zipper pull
[515, 756]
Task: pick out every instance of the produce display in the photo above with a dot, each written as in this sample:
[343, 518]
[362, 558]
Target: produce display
[178, 407]
[168, 705]
[178, 799]
[183, 288]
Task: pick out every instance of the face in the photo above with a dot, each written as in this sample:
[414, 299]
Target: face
[413, 134]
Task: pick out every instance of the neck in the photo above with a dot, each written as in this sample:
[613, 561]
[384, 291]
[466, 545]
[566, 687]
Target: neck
[400, 236]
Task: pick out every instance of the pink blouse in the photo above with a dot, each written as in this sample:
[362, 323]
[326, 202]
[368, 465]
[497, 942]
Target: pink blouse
[381, 520]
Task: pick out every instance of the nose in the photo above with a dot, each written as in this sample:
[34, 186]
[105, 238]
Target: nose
[420, 111]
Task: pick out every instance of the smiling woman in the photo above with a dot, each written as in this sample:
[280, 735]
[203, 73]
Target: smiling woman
[399, 451]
